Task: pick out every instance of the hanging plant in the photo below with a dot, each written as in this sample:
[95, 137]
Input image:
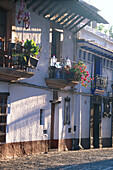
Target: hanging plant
[23, 16]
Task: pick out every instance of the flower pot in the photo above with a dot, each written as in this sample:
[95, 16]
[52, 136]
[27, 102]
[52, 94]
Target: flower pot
[70, 76]
[52, 71]
[73, 77]
[59, 74]
[32, 62]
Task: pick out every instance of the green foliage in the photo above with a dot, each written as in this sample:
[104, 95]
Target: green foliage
[80, 73]
[106, 31]
[31, 48]
[100, 27]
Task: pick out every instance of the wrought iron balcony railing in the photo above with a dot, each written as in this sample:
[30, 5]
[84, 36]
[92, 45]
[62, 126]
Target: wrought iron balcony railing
[99, 84]
[13, 62]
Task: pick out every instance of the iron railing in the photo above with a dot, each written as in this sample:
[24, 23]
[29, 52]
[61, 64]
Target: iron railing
[13, 56]
[99, 82]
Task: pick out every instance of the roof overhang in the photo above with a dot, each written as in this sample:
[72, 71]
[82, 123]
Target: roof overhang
[67, 14]
[94, 48]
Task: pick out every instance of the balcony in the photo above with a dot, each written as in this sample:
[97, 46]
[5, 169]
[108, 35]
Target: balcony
[13, 63]
[59, 79]
[99, 84]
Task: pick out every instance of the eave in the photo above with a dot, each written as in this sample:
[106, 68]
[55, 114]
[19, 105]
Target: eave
[67, 14]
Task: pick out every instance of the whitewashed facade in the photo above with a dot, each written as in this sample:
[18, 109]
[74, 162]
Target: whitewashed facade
[30, 100]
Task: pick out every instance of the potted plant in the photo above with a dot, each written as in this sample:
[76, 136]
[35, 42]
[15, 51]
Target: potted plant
[78, 73]
[31, 52]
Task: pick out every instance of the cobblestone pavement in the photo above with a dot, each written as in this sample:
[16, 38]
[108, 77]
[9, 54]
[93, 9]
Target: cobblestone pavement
[93, 159]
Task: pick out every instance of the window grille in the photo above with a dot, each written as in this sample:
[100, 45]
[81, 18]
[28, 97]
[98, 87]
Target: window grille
[67, 111]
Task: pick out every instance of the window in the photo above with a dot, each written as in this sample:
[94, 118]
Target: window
[67, 111]
[80, 52]
[41, 116]
[2, 23]
[84, 57]
[56, 44]
[104, 62]
[107, 63]
[3, 118]
[111, 64]
[89, 57]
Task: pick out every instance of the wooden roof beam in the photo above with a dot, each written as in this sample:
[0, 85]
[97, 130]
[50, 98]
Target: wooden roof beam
[76, 23]
[60, 15]
[56, 12]
[82, 27]
[31, 3]
[45, 7]
[71, 18]
[69, 25]
[64, 18]
[50, 9]
[38, 5]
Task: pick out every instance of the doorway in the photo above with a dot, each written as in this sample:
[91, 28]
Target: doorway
[96, 126]
[95, 122]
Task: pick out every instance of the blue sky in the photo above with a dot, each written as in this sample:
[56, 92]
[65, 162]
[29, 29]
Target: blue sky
[106, 7]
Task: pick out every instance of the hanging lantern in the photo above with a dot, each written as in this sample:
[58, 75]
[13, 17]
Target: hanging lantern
[27, 20]
[20, 16]
[23, 16]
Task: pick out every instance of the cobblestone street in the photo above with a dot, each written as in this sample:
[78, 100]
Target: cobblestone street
[82, 159]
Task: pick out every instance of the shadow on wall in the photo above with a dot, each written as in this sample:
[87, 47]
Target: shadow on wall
[25, 107]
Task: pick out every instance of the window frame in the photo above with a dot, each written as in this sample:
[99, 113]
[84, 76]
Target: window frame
[41, 116]
[67, 111]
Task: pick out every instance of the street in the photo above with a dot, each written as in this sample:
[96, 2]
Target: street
[79, 160]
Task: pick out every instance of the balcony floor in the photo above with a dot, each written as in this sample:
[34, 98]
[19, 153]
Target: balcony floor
[10, 74]
[59, 83]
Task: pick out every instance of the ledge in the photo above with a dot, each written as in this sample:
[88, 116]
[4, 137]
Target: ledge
[59, 83]
[11, 74]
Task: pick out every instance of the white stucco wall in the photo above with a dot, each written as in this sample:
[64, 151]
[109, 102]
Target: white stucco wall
[63, 129]
[98, 37]
[4, 87]
[39, 31]
[23, 121]
[106, 127]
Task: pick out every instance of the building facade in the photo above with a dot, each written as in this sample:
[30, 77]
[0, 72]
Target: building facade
[40, 112]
